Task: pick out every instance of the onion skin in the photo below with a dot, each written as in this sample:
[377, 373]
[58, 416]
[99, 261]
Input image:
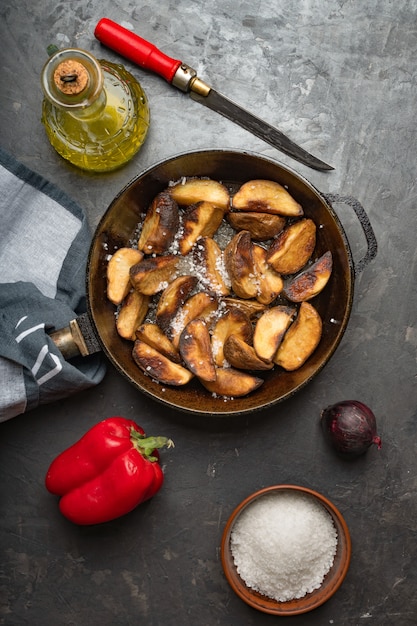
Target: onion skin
[350, 427]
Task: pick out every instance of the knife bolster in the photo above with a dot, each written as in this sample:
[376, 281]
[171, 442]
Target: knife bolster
[200, 87]
[186, 79]
[183, 77]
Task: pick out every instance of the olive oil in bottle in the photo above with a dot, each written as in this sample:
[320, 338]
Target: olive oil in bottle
[95, 113]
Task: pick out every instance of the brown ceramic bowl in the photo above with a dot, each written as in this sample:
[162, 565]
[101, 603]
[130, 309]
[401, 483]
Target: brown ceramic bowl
[310, 601]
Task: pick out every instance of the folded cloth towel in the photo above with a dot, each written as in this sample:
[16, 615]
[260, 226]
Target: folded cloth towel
[44, 242]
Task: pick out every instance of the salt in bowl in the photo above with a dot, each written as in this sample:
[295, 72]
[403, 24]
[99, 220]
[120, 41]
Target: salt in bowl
[332, 580]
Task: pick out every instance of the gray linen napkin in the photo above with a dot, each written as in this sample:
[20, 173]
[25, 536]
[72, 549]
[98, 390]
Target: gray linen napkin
[44, 242]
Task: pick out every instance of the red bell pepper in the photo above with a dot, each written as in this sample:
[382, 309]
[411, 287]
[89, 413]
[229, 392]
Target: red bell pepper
[107, 473]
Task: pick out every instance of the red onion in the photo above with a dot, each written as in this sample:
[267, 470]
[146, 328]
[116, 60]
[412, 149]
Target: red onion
[350, 427]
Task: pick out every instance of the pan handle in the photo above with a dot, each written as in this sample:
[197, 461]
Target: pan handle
[78, 338]
[366, 227]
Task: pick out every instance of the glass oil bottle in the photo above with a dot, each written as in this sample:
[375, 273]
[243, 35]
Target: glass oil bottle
[95, 113]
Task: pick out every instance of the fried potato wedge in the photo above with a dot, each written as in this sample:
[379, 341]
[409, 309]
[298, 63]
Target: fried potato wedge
[153, 274]
[266, 196]
[118, 276]
[232, 383]
[199, 220]
[270, 283]
[262, 226]
[311, 281]
[208, 258]
[195, 349]
[158, 366]
[293, 247]
[201, 304]
[131, 314]
[252, 308]
[233, 322]
[156, 338]
[172, 298]
[243, 356]
[194, 190]
[240, 265]
[301, 339]
[160, 225]
[270, 330]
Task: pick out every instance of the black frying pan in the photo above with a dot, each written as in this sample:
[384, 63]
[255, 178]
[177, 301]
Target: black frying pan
[233, 168]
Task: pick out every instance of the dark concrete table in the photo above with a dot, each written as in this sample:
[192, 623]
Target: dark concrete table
[340, 79]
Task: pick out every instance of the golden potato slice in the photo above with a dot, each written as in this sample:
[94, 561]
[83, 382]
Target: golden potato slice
[251, 307]
[240, 266]
[232, 383]
[199, 220]
[301, 339]
[131, 314]
[262, 226]
[270, 330]
[293, 247]
[243, 356]
[194, 190]
[160, 225]
[233, 322]
[270, 283]
[266, 196]
[311, 281]
[118, 276]
[210, 263]
[153, 274]
[156, 338]
[195, 349]
[200, 305]
[172, 298]
[156, 365]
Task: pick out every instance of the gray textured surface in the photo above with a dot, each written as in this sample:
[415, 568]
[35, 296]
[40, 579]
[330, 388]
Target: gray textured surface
[340, 78]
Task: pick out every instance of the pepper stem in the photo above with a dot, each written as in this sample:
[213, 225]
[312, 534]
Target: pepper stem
[146, 445]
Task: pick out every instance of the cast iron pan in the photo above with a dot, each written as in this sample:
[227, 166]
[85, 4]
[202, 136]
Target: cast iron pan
[233, 168]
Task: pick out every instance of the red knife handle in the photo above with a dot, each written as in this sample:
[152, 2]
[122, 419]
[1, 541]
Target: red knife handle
[136, 49]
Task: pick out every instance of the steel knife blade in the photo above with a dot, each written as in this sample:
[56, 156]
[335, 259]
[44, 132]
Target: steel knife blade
[180, 75]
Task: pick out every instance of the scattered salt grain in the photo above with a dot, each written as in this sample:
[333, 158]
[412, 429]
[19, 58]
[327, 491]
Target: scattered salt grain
[283, 545]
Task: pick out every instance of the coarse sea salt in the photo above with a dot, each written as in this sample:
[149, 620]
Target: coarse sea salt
[283, 545]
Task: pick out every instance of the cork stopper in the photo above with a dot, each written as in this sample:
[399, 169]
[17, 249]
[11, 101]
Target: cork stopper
[71, 77]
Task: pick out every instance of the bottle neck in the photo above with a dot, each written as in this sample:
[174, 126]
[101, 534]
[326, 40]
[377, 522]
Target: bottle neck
[73, 80]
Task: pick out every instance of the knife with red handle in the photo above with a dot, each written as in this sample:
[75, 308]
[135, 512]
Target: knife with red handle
[180, 75]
